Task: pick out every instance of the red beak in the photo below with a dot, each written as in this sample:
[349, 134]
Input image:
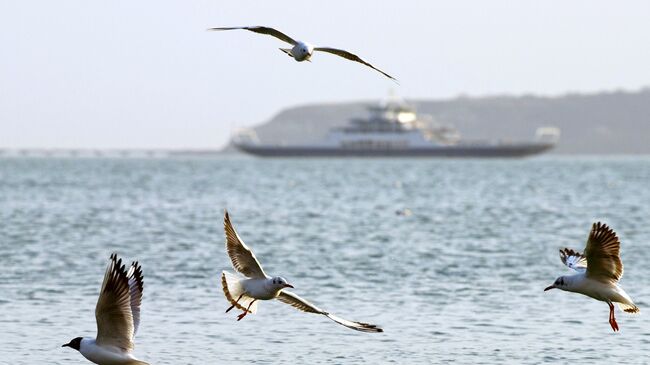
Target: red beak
[288, 286]
[549, 287]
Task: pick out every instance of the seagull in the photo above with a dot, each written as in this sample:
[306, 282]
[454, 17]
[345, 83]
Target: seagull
[302, 51]
[599, 270]
[244, 293]
[118, 316]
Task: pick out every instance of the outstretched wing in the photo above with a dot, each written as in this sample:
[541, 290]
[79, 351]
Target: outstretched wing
[305, 306]
[352, 57]
[603, 254]
[113, 311]
[573, 259]
[262, 30]
[136, 285]
[243, 259]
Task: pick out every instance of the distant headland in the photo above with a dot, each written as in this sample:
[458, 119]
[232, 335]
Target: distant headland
[616, 122]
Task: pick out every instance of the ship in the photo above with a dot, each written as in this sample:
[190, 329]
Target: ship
[394, 129]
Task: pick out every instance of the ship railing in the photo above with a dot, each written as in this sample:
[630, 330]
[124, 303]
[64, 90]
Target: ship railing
[547, 134]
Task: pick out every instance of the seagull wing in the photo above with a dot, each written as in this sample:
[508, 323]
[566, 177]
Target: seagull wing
[113, 311]
[602, 253]
[573, 259]
[135, 289]
[351, 57]
[262, 30]
[243, 259]
[305, 306]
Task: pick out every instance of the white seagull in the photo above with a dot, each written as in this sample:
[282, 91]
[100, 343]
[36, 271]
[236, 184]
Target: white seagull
[302, 51]
[599, 270]
[244, 293]
[118, 316]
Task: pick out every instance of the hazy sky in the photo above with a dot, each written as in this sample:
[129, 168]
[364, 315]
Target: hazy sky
[145, 73]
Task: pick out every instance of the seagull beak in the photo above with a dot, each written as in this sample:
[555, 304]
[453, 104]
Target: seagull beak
[549, 287]
[288, 286]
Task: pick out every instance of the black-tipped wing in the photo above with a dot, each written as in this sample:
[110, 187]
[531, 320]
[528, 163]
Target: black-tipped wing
[352, 57]
[262, 30]
[603, 254]
[573, 259]
[243, 259]
[136, 286]
[305, 306]
[113, 311]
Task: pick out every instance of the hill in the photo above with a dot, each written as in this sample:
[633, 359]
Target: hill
[601, 123]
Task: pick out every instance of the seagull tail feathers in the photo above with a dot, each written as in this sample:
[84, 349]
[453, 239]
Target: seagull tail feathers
[357, 326]
[629, 307]
[233, 289]
[287, 51]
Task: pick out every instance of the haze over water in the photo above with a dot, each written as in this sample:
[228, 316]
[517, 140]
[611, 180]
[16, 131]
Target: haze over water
[460, 280]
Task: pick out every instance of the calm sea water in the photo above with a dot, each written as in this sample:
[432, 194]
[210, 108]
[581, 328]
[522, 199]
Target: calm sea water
[458, 281]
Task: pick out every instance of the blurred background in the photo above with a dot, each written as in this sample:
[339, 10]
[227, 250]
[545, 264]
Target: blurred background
[119, 74]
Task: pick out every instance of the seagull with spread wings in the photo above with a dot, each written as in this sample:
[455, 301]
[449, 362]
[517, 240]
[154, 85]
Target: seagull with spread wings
[245, 293]
[599, 270]
[302, 51]
[118, 316]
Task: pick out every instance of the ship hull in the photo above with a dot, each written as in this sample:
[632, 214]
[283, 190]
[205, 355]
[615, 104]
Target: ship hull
[468, 151]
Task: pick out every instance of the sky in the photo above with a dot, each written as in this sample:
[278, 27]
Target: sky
[147, 74]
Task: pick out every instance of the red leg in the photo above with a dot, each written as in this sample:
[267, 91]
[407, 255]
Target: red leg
[239, 317]
[233, 306]
[612, 319]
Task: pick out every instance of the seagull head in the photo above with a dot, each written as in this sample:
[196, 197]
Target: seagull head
[75, 343]
[302, 51]
[560, 283]
[280, 283]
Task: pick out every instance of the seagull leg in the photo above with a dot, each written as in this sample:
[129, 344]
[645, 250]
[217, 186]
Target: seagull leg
[239, 317]
[612, 319]
[233, 306]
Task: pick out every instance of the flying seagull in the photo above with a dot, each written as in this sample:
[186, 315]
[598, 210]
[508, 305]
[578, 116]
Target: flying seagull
[244, 293]
[599, 270]
[118, 316]
[303, 51]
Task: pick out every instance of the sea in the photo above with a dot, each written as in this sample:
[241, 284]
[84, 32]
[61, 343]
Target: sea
[449, 256]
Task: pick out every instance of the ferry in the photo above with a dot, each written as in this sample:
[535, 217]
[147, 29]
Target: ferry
[394, 129]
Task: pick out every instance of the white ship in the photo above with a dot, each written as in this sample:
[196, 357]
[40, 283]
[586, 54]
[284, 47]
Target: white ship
[394, 129]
